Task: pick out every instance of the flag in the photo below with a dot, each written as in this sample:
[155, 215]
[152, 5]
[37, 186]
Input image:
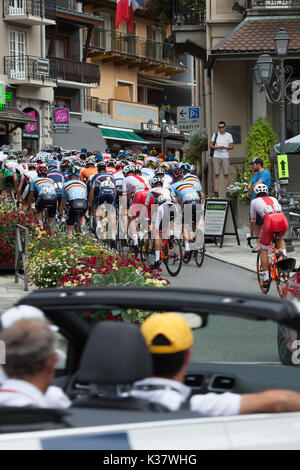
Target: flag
[125, 12]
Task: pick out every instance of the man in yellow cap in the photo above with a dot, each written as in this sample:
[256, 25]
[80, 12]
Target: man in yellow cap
[170, 338]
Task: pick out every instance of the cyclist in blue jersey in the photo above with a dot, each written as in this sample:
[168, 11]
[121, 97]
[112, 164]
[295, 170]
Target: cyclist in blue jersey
[188, 197]
[188, 176]
[43, 190]
[74, 195]
[103, 192]
[57, 177]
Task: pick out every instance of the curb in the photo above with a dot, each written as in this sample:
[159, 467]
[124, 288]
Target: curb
[232, 263]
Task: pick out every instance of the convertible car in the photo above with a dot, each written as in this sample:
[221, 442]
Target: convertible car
[96, 369]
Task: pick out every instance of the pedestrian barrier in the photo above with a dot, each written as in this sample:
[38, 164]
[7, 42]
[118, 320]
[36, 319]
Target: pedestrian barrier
[21, 245]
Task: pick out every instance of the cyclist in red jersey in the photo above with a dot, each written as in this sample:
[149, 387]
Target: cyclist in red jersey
[274, 220]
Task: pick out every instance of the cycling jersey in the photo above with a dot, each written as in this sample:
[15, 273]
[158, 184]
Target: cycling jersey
[85, 173]
[134, 183]
[167, 180]
[73, 190]
[274, 219]
[26, 178]
[43, 187]
[104, 185]
[189, 177]
[160, 195]
[186, 191]
[148, 173]
[111, 170]
[58, 178]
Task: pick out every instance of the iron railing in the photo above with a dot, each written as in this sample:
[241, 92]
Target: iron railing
[188, 12]
[21, 240]
[23, 7]
[96, 105]
[29, 68]
[134, 46]
[75, 71]
[70, 5]
[272, 4]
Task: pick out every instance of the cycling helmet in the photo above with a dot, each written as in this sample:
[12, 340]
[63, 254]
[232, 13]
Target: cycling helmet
[42, 170]
[122, 153]
[119, 165]
[129, 152]
[153, 153]
[185, 168]
[31, 165]
[128, 169]
[53, 164]
[73, 171]
[260, 188]
[83, 150]
[145, 149]
[101, 166]
[177, 173]
[157, 180]
[140, 157]
[150, 164]
[111, 162]
[160, 171]
[98, 157]
[138, 169]
[90, 161]
[164, 166]
[77, 162]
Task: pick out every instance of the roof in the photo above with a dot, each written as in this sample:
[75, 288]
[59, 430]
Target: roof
[12, 114]
[124, 135]
[81, 135]
[255, 35]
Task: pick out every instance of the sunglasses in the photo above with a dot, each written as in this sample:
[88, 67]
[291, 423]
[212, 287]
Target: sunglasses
[221, 127]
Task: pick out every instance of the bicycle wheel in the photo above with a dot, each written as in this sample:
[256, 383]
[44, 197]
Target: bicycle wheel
[199, 256]
[281, 277]
[147, 252]
[186, 259]
[173, 256]
[260, 276]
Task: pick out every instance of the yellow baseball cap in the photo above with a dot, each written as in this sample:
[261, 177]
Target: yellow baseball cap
[173, 327]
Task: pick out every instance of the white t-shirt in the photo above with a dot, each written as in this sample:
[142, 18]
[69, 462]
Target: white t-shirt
[173, 394]
[222, 140]
[15, 392]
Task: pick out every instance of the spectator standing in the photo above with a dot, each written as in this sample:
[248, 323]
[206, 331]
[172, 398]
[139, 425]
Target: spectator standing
[221, 143]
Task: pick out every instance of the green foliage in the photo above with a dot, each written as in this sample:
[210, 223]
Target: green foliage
[162, 9]
[197, 143]
[260, 141]
[239, 189]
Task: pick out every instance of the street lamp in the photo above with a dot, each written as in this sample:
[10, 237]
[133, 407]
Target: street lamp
[275, 82]
[163, 126]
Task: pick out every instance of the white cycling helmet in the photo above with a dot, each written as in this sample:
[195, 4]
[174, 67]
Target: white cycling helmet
[128, 169]
[261, 188]
[157, 180]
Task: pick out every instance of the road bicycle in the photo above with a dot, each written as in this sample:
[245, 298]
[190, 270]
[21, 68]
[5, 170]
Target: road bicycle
[170, 253]
[277, 272]
[198, 254]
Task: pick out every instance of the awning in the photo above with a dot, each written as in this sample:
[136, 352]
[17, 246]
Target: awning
[15, 115]
[126, 135]
[291, 145]
[81, 135]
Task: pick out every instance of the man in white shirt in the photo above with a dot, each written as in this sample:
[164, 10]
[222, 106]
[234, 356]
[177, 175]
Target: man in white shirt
[221, 143]
[169, 339]
[30, 366]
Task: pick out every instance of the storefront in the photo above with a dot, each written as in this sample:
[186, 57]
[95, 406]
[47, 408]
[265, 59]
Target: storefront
[11, 119]
[31, 132]
[119, 138]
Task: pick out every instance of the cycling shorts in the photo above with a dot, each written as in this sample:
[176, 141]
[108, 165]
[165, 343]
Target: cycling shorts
[106, 198]
[273, 222]
[46, 202]
[76, 208]
[138, 205]
[8, 182]
[166, 213]
[192, 213]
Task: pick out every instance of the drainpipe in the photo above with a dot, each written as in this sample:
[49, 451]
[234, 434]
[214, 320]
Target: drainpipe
[82, 92]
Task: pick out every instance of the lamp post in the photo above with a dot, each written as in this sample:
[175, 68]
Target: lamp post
[275, 81]
[163, 126]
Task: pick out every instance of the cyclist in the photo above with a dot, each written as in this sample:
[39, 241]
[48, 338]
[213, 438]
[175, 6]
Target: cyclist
[134, 187]
[103, 191]
[9, 177]
[162, 171]
[187, 195]
[89, 171]
[43, 189]
[161, 196]
[57, 177]
[74, 192]
[111, 164]
[273, 220]
[149, 169]
[186, 171]
[24, 186]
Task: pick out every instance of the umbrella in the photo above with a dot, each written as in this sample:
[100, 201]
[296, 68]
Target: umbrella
[291, 145]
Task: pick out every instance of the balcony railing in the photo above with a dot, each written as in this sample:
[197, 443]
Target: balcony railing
[24, 7]
[272, 4]
[75, 71]
[134, 46]
[96, 105]
[29, 68]
[70, 5]
[188, 12]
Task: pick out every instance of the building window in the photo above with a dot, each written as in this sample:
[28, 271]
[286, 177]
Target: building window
[124, 91]
[17, 54]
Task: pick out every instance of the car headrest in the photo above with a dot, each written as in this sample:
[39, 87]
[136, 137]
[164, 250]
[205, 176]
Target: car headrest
[116, 353]
[287, 264]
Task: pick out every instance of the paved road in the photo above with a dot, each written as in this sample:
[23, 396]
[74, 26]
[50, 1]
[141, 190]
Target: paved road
[227, 339]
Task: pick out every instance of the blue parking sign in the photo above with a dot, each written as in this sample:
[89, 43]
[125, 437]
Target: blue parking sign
[194, 113]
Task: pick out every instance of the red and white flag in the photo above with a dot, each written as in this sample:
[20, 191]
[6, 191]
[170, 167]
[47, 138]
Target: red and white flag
[125, 13]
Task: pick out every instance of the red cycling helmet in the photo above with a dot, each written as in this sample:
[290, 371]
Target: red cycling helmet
[42, 170]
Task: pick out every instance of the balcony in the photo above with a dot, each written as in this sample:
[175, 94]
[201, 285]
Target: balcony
[272, 4]
[74, 71]
[29, 70]
[188, 13]
[134, 51]
[26, 12]
[96, 105]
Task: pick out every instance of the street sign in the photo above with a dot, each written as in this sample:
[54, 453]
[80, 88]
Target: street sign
[283, 166]
[188, 118]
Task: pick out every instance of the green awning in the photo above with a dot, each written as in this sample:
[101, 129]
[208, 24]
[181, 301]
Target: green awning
[118, 134]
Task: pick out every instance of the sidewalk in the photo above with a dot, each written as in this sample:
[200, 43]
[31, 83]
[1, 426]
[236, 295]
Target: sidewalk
[10, 292]
[241, 255]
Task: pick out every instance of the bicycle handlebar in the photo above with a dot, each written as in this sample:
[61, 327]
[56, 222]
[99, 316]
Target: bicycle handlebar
[249, 239]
